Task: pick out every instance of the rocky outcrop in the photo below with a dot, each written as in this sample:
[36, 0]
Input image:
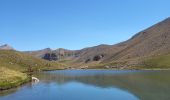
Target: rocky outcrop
[50, 56]
[98, 57]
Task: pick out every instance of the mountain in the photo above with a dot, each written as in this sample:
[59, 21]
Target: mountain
[89, 55]
[140, 50]
[153, 41]
[39, 53]
[48, 53]
[6, 47]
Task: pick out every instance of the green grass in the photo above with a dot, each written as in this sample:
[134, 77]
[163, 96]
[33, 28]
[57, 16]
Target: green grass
[157, 62]
[64, 61]
[14, 66]
[11, 78]
[161, 61]
[20, 61]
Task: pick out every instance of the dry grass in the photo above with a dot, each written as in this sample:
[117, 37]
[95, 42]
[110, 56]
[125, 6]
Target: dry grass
[13, 63]
[20, 61]
[11, 78]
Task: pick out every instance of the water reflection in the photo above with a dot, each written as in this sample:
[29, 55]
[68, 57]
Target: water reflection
[146, 85]
[97, 84]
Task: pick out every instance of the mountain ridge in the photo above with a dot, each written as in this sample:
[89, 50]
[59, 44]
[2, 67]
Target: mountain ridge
[152, 41]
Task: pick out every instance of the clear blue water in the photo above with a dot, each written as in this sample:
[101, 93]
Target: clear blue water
[94, 85]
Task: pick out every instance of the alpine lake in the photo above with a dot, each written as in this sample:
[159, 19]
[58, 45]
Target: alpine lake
[94, 85]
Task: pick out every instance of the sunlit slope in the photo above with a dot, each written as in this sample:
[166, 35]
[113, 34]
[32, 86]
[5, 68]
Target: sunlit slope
[11, 78]
[149, 43]
[161, 61]
[20, 61]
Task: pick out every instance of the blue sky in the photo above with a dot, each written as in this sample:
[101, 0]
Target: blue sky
[75, 24]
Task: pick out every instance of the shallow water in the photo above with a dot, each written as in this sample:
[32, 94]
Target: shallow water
[94, 85]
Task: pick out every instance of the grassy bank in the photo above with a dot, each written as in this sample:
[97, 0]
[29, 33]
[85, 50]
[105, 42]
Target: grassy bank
[11, 78]
[14, 63]
[159, 62]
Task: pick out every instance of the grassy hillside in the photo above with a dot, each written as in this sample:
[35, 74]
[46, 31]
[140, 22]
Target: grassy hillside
[14, 65]
[11, 78]
[161, 61]
[20, 61]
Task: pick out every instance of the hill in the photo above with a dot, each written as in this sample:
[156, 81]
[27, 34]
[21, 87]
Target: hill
[146, 45]
[21, 61]
[151, 43]
[14, 66]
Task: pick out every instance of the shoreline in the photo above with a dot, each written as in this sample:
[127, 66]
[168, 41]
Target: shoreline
[28, 79]
[110, 69]
[15, 85]
[12, 78]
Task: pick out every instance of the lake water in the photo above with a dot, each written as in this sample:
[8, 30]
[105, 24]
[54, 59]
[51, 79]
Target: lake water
[94, 85]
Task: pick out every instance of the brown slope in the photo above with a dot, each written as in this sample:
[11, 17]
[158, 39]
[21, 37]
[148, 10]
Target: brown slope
[79, 57]
[39, 53]
[152, 41]
[87, 56]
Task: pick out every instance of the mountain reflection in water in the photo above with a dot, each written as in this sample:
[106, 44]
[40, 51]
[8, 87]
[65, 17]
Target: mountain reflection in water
[145, 85]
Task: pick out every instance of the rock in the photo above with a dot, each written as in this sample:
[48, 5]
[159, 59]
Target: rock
[98, 57]
[84, 67]
[107, 67]
[50, 56]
